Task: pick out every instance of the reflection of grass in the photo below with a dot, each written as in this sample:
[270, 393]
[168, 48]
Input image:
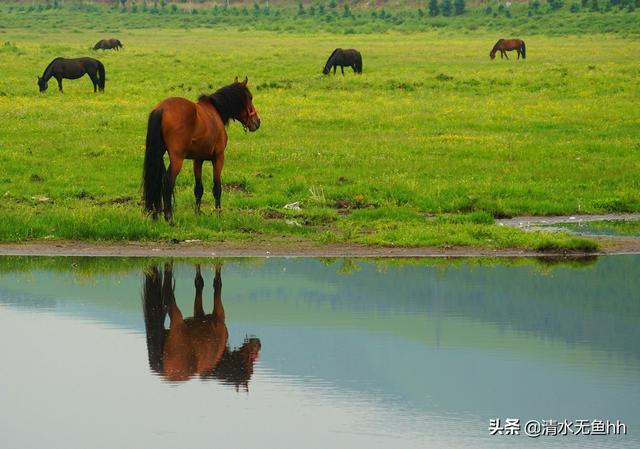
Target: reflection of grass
[625, 228]
[91, 266]
[435, 162]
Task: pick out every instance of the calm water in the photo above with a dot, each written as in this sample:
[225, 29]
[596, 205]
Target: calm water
[308, 353]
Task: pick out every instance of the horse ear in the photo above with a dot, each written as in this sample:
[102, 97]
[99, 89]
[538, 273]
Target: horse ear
[246, 80]
[235, 80]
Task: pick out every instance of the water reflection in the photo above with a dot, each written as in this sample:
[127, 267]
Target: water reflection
[360, 354]
[196, 346]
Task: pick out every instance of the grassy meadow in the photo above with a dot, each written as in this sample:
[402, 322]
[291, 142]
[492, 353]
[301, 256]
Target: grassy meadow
[427, 147]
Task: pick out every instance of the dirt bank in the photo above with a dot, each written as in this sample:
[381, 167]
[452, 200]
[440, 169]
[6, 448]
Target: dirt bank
[285, 248]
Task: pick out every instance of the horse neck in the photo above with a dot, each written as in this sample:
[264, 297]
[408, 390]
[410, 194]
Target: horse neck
[332, 60]
[48, 72]
[327, 66]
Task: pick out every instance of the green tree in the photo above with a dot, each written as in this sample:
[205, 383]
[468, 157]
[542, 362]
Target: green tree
[555, 4]
[434, 10]
[447, 8]
[458, 7]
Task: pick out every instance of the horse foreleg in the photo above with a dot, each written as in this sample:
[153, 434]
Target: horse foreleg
[175, 166]
[198, 311]
[342, 69]
[217, 183]
[335, 67]
[218, 308]
[59, 80]
[198, 189]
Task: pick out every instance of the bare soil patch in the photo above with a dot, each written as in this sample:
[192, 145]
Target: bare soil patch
[287, 248]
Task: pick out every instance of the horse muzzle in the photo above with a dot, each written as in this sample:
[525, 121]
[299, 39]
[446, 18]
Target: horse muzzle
[254, 122]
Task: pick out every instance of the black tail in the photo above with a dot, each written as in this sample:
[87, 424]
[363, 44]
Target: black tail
[524, 51]
[101, 76]
[155, 311]
[154, 171]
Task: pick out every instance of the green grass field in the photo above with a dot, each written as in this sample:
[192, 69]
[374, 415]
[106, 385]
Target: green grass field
[431, 143]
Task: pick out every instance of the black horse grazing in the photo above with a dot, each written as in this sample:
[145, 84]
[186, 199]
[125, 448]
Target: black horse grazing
[73, 69]
[350, 58]
[108, 44]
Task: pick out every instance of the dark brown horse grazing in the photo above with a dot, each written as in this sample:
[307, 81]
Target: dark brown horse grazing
[73, 69]
[349, 58]
[188, 130]
[196, 346]
[108, 44]
[505, 45]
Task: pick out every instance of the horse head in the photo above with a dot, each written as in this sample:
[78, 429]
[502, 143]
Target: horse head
[248, 114]
[236, 367]
[42, 84]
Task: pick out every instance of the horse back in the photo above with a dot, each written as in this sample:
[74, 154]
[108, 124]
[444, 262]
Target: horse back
[193, 129]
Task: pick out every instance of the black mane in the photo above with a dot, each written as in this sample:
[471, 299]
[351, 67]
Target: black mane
[229, 101]
[49, 66]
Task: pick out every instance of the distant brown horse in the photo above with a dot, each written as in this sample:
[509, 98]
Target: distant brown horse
[108, 44]
[196, 346]
[188, 130]
[505, 45]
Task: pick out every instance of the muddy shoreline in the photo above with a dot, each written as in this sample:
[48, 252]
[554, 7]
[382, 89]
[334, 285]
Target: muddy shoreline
[287, 248]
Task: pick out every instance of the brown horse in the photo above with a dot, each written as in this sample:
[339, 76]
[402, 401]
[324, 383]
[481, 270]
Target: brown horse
[505, 45]
[194, 346]
[188, 130]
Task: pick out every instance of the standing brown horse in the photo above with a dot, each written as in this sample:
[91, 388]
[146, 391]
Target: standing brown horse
[505, 45]
[196, 346]
[188, 130]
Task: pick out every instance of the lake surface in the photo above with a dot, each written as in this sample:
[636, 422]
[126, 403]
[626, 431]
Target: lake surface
[316, 353]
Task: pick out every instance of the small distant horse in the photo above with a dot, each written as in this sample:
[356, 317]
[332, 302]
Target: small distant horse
[108, 44]
[188, 130]
[196, 346]
[349, 58]
[73, 69]
[505, 45]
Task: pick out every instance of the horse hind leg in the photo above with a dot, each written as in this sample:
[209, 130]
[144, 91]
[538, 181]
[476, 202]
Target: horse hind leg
[175, 166]
[198, 189]
[94, 80]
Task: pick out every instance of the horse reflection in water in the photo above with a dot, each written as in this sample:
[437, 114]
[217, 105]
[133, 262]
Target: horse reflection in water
[196, 346]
